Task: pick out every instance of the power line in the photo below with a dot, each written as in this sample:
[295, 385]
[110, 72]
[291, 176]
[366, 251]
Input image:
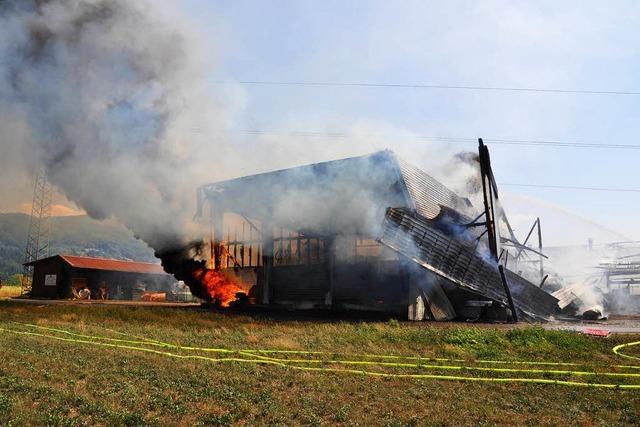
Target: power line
[462, 140]
[443, 139]
[567, 187]
[429, 86]
[563, 144]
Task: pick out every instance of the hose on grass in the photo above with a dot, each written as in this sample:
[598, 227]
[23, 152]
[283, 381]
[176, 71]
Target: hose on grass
[258, 353]
[616, 350]
[251, 353]
[295, 363]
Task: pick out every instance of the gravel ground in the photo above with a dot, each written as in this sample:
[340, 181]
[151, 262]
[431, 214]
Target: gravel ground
[614, 324]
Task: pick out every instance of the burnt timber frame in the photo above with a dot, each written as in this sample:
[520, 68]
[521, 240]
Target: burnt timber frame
[523, 249]
[328, 283]
[490, 192]
[311, 260]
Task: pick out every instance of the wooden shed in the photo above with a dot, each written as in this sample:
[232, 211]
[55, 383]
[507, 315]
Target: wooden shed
[56, 277]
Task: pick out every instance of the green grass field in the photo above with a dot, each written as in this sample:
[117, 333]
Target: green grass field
[51, 377]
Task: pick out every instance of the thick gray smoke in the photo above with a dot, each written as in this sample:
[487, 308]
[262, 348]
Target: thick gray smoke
[106, 94]
[110, 97]
[101, 93]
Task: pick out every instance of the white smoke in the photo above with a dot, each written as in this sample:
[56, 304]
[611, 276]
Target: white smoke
[111, 97]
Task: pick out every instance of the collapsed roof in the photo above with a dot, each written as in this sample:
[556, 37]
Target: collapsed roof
[456, 258]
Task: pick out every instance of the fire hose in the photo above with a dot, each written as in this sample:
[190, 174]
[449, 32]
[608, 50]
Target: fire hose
[265, 357]
[616, 350]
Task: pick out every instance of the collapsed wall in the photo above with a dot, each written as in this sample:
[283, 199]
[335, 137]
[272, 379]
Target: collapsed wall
[458, 261]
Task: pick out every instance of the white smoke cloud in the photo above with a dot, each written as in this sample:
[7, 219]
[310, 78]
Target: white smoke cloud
[111, 97]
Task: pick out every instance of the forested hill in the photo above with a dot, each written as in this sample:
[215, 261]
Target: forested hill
[76, 235]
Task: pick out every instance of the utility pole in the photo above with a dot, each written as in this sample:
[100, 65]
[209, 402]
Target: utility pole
[39, 233]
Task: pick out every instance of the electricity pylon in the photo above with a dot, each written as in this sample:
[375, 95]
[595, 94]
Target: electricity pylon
[39, 228]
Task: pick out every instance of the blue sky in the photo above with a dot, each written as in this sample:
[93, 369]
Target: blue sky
[583, 45]
[542, 44]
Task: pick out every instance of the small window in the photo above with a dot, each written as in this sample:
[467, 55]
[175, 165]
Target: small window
[50, 280]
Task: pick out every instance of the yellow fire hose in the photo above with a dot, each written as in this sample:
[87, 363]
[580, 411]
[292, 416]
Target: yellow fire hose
[147, 341]
[254, 356]
[617, 349]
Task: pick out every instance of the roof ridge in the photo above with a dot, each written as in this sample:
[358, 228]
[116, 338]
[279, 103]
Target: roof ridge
[386, 151]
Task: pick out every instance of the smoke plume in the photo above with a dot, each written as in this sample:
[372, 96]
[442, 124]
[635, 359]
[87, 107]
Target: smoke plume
[101, 93]
[110, 97]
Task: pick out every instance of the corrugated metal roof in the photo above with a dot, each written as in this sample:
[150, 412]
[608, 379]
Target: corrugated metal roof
[113, 264]
[89, 263]
[568, 294]
[427, 193]
[459, 262]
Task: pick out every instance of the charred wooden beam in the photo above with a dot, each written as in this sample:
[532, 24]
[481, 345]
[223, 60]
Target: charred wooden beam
[267, 261]
[217, 236]
[330, 255]
[507, 291]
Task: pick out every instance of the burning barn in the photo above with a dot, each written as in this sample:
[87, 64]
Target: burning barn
[369, 233]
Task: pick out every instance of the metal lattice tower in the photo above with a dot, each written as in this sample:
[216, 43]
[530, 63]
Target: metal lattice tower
[39, 228]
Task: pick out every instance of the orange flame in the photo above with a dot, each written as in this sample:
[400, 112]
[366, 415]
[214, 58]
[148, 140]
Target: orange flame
[219, 287]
